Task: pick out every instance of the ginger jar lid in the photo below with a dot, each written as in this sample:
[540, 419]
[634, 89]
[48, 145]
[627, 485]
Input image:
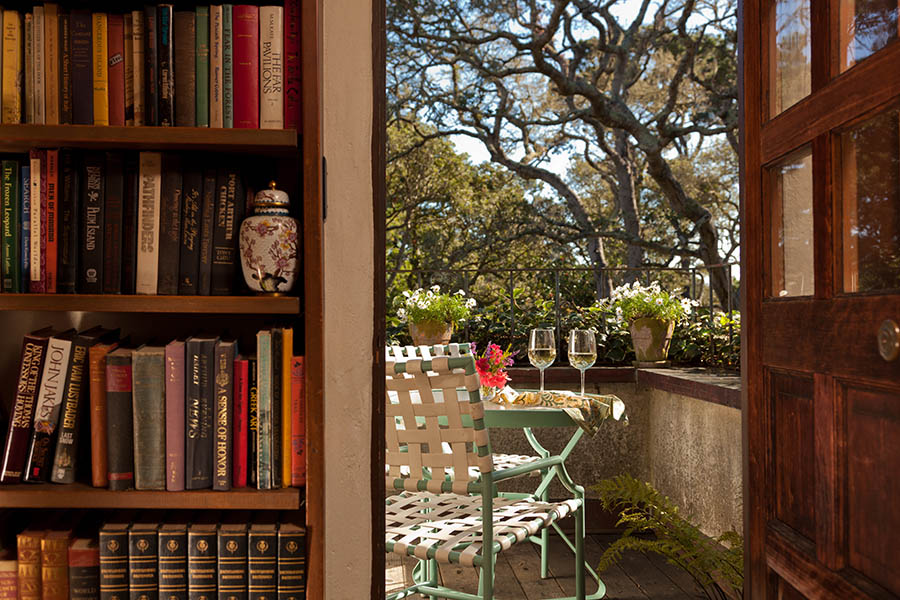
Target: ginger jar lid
[271, 198]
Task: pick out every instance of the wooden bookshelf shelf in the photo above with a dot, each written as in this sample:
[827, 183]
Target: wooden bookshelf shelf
[79, 495]
[280, 305]
[21, 138]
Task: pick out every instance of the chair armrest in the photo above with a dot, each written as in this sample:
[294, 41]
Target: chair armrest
[537, 465]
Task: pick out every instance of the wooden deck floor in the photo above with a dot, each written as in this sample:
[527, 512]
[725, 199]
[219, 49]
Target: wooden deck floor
[636, 577]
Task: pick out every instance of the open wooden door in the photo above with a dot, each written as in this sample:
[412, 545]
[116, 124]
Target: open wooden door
[821, 291]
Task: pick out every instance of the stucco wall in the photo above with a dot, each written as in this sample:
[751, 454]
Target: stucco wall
[349, 272]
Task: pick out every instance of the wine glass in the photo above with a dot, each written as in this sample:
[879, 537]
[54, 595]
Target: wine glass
[541, 350]
[582, 351]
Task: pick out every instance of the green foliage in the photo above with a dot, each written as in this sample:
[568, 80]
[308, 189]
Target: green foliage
[636, 301]
[717, 565]
[431, 305]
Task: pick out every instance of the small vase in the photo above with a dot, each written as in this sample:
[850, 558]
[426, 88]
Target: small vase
[651, 339]
[269, 243]
[431, 333]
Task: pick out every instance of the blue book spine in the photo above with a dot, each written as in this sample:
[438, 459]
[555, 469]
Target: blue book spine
[25, 251]
[228, 72]
[264, 403]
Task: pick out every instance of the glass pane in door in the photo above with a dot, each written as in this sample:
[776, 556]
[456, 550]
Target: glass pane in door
[791, 226]
[866, 26]
[792, 76]
[870, 201]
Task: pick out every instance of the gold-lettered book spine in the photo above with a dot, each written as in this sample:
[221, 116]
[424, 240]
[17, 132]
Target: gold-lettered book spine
[13, 64]
[29, 564]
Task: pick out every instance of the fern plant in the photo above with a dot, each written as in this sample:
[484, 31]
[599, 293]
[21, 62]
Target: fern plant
[717, 565]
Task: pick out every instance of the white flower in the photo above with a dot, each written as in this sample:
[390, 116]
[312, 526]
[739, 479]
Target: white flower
[401, 314]
[470, 303]
[422, 305]
[406, 294]
[436, 289]
[460, 293]
[659, 301]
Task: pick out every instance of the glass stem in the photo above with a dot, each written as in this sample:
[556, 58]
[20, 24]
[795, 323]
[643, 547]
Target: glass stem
[542, 379]
[582, 382]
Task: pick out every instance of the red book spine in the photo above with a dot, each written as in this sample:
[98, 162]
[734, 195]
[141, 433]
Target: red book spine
[8, 579]
[115, 29]
[292, 93]
[39, 249]
[241, 417]
[298, 422]
[175, 416]
[52, 220]
[245, 45]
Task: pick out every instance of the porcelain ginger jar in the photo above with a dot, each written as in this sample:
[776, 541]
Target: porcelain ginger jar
[269, 240]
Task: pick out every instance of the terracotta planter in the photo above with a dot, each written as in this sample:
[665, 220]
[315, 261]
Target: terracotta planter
[431, 333]
[651, 339]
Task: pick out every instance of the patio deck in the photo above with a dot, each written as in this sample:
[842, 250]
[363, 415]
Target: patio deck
[636, 577]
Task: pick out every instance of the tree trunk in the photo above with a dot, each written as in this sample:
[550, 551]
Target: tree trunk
[602, 282]
[627, 204]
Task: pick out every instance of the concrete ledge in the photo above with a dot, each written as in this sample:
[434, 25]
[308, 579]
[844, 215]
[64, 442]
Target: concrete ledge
[698, 383]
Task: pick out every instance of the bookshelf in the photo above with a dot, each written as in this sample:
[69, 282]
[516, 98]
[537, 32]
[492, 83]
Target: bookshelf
[223, 305]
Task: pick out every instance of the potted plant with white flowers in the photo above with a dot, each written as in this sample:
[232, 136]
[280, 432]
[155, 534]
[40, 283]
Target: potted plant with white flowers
[432, 315]
[651, 314]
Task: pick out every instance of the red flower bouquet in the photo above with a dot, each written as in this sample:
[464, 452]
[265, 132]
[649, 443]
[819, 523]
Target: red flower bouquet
[491, 366]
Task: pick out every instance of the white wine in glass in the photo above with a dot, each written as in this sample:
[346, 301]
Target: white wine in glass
[582, 351]
[541, 350]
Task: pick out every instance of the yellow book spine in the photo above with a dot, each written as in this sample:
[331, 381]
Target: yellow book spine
[51, 64]
[287, 352]
[100, 60]
[12, 67]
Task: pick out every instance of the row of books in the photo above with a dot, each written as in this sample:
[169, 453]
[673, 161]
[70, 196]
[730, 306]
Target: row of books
[120, 223]
[212, 66]
[152, 555]
[191, 414]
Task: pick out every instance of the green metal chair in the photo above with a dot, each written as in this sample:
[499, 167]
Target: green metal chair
[447, 509]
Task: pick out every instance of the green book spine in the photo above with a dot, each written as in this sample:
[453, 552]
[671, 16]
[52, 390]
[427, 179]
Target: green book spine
[202, 66]
[10, 254]
[227, 71]
[264, 382]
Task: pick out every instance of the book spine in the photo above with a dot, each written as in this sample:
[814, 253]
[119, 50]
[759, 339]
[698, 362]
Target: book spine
[224, 406]
[11, 228]
[198, 417]
[9, 587]
[115, 35]
[252, 422]
[175, 412]
[130, 224]
[298, 422]
[166, 58]
[227, 220]
[149, 223]
[138, 35]
[39, 67]
[207, 218]
[55, 567]
[271, 68]
[47, 409]
[42, 276]
[28, 546]
[202, 66]
[51, 64]
[227, 66]
[82, 68]
[173, 567]
[93, 200]
[65, 69]
[202, 563]
[285, 401]
[189, 252]
[246, 66]
[264, 404]
[232, 564]
[84, 573]
[262, 563]
[68, 224]
[185, 68]
[100, 67]
[241, 415]
[113, 209]
[291, 563]
[149, 419]
[25, 219]
[113, 564]
[99, 443]
[74, 396]
[143, 568]
[35, 283]
[292, 72]
[215, 66]
[52, 232]
[128, 66]
[277, 423]
[29, 68]
[13, 65]
[31, 365]
[151, 66]
[119, 421]
[169, 225]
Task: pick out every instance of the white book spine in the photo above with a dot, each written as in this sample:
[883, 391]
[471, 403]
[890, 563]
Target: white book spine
[35, 239]
[271, 68]
[216, 81]
[128, 59]
[148, 222]
[29, 68]
[137, 38]
[53, 377]
[38, 50]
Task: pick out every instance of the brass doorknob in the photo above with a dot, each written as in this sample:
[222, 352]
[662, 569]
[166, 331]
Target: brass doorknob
[889, 340]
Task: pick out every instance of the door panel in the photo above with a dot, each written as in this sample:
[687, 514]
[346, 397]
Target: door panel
[866, 26]
[791, 69]
[791, 227]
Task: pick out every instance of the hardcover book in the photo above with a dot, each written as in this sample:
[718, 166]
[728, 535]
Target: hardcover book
[84, 569]
[232, 564]
[246, 66]
[51, 63]
[116, 68]
[262, 542]
[11, 264]
[169, 225]
[52, 218]
[92, 203]
[143, 570]
[9, 587]
[119, 420]
[114, 561]
[227, 66]
[185, 69]
[207, 218]
[29, 68]
[241, 417]
[128, 61]
[202, 559]
[271, 62]
[113, 220]
[291, 562]
[198, 446]
[130, 223]
[173, 567]
[189, 252]
[28, 546]
[149, 223]
[39, 68]
[298, 422]
[13, 63]
[82, 67]
[148, 368]
[215, 66]
[151, 66]
[25, 218]
[69, 222]
[224, 419]
[38, 221]
[286, 401]
[277, 385]
[31, 366]
[166, 57]
[228, 217]
[55, 565]
[292, 73]
[100, 68]
[252, 423]
[202, 66]
[65, 69]
[175, 413]
[138, 42]
[264, 409]
[99, 442]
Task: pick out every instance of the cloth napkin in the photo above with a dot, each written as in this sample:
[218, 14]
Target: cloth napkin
[588, 410]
